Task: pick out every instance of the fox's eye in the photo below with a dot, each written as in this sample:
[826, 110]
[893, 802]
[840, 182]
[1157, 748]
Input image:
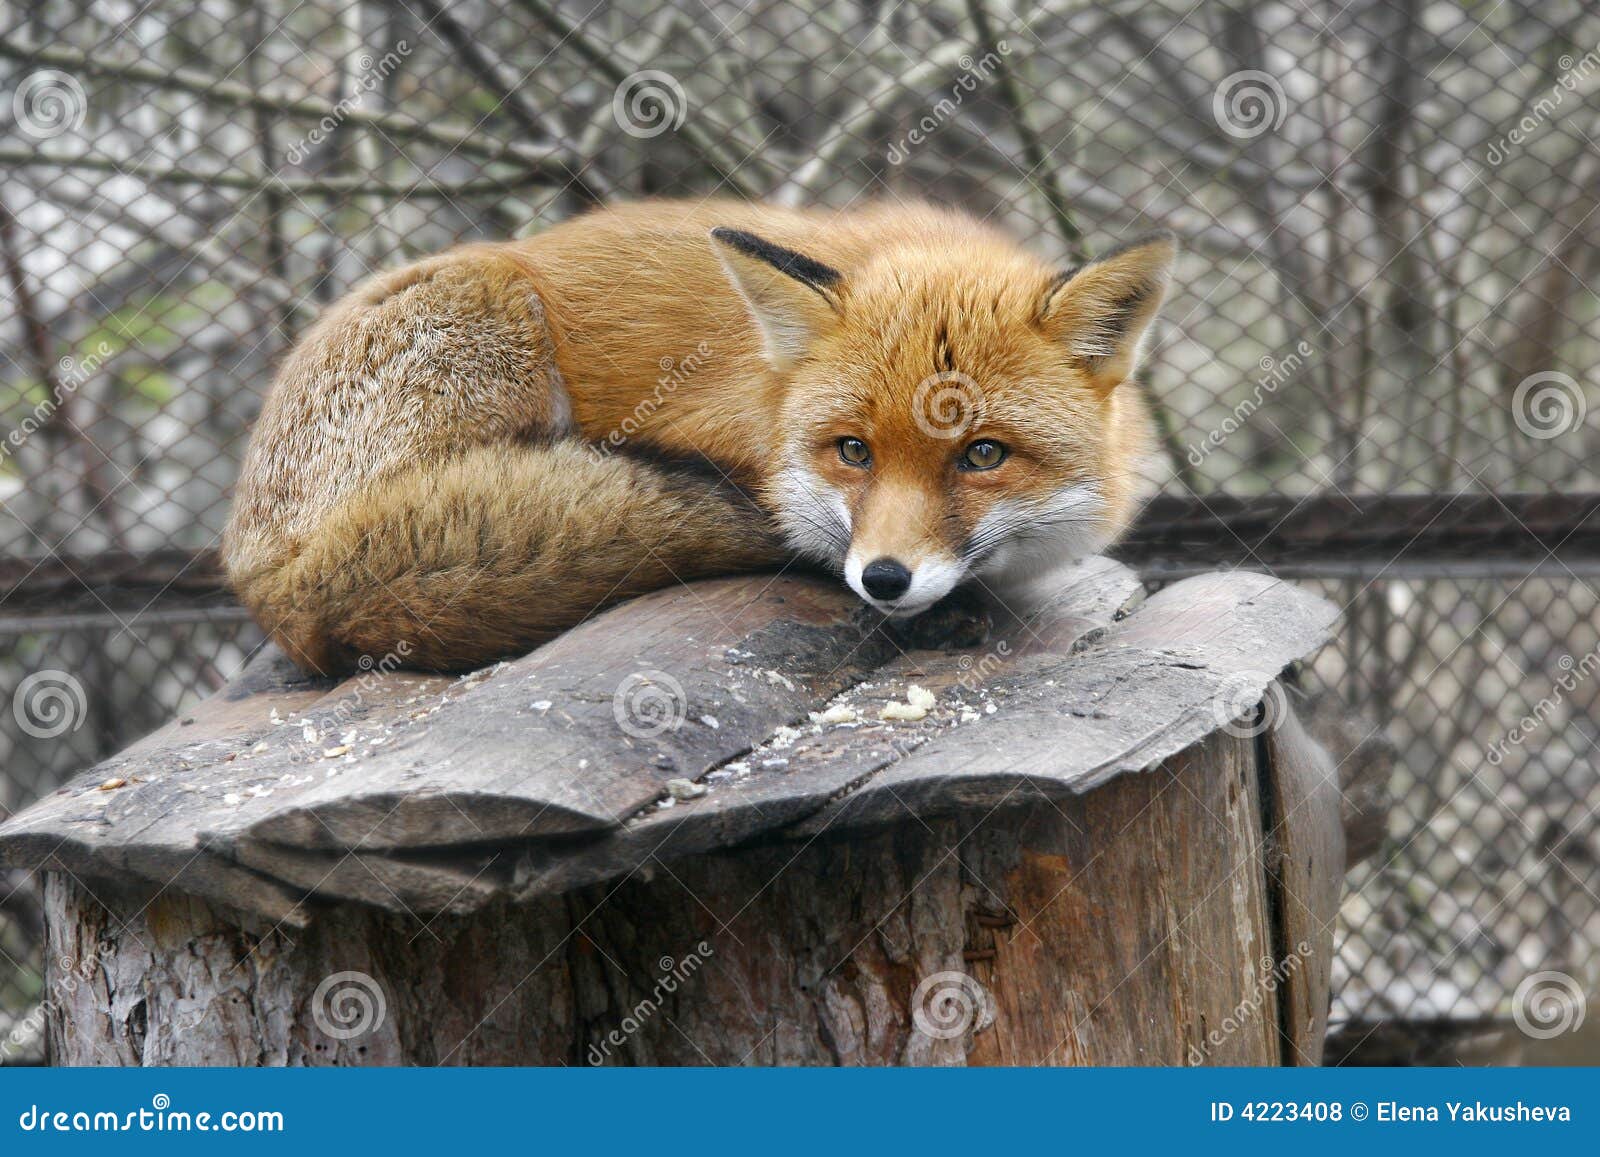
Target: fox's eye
[854, 451]
[984, 455]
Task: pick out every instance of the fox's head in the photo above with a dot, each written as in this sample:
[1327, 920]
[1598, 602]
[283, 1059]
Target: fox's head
[951, 406]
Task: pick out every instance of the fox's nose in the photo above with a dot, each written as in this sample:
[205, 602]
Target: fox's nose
[886, 579]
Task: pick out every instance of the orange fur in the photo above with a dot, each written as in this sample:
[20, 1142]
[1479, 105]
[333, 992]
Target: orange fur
[420, 474]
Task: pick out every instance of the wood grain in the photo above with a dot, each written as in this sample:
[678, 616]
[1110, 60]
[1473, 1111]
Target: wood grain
[980, 837]
[422, 793]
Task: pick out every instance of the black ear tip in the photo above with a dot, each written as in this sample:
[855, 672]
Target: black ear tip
[735, 238]
[786, 261]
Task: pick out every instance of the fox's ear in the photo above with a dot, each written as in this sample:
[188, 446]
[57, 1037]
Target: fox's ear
[790, 296]
[1102, 311]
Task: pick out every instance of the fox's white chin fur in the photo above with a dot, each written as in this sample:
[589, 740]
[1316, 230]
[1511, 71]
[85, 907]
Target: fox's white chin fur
[816, 521]
[931, 580]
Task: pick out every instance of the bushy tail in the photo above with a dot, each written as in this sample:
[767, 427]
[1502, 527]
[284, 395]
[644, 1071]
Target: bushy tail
[451, 565]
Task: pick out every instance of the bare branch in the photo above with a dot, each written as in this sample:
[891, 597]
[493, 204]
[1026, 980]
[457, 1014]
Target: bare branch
[36, 337]
[848, 128]
[545, 159]
[1188, 222]
[504, 82]
[1041, 173]
[725, 166]
[233, 179]
[201, 249]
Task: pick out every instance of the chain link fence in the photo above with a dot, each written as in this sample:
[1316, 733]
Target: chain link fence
[1388, 209]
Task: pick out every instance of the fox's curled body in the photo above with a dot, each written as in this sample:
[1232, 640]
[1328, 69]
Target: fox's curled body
[470, 454]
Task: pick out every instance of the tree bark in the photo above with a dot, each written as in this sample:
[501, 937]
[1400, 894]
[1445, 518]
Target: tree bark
[1149, 921]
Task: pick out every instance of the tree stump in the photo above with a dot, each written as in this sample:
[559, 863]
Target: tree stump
[744, 822]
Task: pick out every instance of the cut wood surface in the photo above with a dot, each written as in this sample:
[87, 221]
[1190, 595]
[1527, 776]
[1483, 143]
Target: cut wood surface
[1094, 835]
[1082, 930]
[677, 724]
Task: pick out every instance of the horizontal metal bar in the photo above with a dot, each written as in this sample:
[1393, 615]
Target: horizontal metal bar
[1398, 536]
[103, 619]
[113, 583]
[1441, 535]
[1553, 569]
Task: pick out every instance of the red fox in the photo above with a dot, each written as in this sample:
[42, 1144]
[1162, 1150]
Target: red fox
[472, 453]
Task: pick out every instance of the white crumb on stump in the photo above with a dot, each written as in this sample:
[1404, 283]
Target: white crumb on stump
[918, 702]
